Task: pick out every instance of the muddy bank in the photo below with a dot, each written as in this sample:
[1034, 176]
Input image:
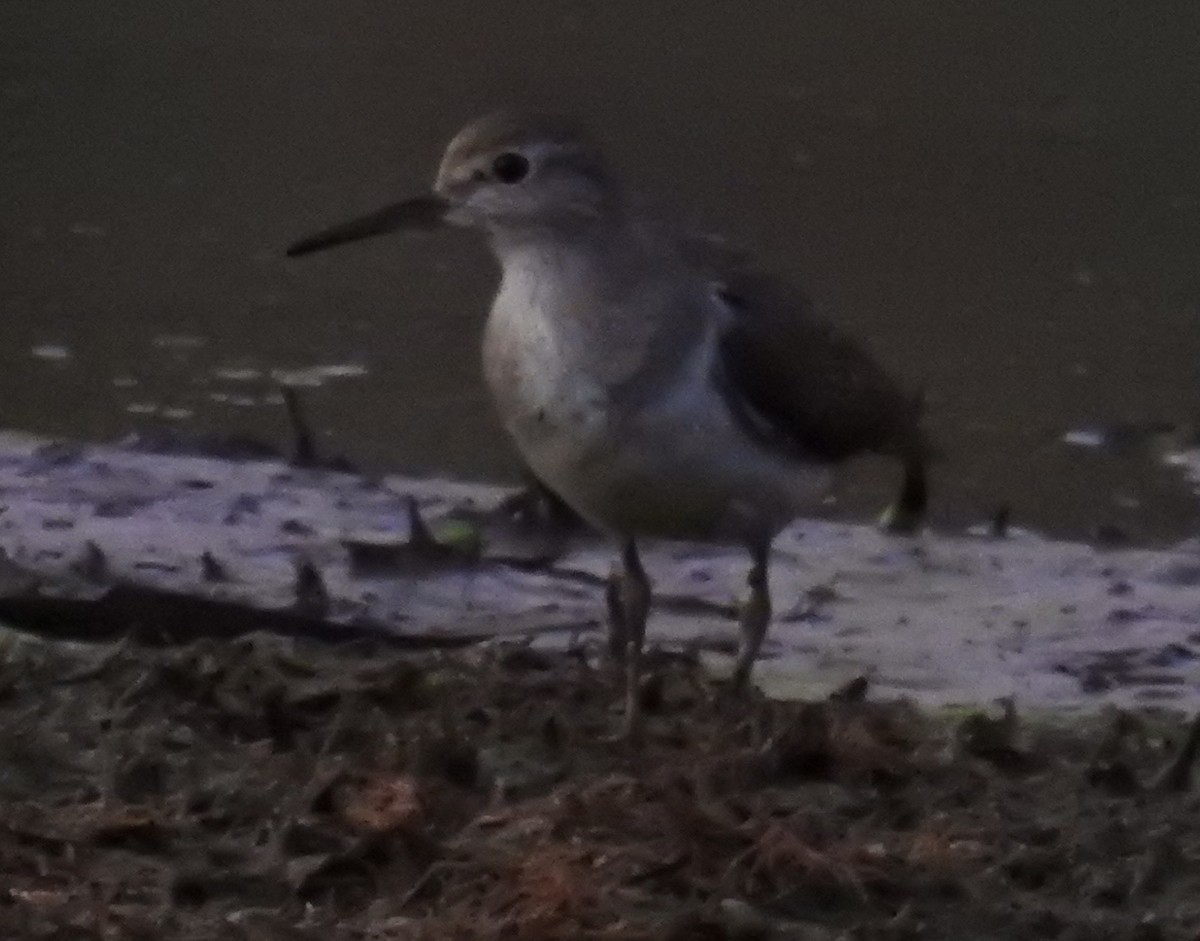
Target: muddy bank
[255, 543]
[267, 788]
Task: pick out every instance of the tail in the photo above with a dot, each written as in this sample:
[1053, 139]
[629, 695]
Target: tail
[907, 512]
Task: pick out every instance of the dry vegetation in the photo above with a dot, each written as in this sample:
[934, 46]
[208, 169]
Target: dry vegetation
[267, 789]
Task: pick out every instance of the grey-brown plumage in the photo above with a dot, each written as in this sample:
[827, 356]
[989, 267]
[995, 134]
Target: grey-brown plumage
[660, 385]
[816, 391]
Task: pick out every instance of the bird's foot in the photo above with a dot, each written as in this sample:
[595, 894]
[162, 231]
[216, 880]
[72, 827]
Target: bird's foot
[754, 620]
[632, 729]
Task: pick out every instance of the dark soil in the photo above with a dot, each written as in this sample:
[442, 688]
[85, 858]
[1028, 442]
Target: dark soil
[267, 789]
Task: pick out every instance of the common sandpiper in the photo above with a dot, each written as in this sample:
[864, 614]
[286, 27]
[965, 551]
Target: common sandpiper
[661, 385]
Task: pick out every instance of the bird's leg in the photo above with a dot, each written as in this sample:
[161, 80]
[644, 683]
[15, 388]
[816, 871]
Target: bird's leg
[755, 616]
[633, 594]
[616, 615]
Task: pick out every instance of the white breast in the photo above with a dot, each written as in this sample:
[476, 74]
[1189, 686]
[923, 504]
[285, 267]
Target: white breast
[546, 396]
[571, 389]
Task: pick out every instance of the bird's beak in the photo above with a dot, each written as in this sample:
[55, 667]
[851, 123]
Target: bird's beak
[420, 212]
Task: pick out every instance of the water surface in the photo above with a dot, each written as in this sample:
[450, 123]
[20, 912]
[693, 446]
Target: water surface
[1003, 198]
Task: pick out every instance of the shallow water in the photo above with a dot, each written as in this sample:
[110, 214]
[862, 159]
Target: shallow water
[1004, 201]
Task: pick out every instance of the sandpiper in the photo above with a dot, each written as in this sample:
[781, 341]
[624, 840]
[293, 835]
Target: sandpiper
[660, 384]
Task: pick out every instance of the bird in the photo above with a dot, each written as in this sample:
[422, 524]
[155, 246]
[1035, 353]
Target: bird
[661, 384]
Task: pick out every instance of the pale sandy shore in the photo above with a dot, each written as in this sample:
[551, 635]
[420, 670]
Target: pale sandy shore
[942, 617]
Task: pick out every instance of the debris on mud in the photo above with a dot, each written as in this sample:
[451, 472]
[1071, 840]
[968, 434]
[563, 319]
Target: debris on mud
[173, 544]
[266, 788]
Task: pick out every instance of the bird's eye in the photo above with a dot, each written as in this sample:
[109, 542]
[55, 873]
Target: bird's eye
[510, 167]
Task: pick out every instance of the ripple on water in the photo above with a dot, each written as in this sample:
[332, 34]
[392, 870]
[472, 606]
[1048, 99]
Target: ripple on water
[51, 352]
[238, 373]
[312, 376]
[168, 412]
[179, 341]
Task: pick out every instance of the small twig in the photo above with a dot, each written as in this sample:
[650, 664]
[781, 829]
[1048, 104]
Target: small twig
[100, 666]
[677, 604]
[311, 595]
[854, 690]
[211, 569]
[434, 870]
[93, 565]
[658, 870]
[304, 449]
[419, 534]
[1177, 776]
[1001, 522]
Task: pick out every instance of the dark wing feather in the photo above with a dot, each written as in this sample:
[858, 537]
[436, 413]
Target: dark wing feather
[801, 386]
[806, 386]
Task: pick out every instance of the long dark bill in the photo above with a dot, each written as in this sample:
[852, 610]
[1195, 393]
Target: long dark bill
[420, 212]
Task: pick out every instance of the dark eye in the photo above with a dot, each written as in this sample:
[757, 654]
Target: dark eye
[510, 167]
